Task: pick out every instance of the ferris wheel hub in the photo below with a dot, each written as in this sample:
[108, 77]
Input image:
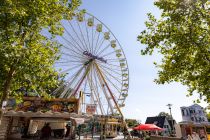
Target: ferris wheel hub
[92, 56]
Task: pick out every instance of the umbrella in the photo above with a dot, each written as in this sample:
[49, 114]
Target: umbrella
[147, 127]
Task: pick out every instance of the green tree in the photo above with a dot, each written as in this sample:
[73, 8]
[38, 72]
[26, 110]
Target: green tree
[27, 56]
[208, 117]
[182, 36]
[164, 114]
[131, 122]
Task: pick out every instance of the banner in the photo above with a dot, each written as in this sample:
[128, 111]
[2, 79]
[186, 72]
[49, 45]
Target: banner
[91, 109]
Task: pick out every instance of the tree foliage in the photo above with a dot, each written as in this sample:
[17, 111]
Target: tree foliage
[164, 114]
[27, 56]
[131, 122]
[208, 117]
[182, 36]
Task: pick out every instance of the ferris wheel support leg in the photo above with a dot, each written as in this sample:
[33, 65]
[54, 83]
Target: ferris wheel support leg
[83, 78]
[115, 102]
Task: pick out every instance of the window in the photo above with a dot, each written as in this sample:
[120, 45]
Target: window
[165, 126]
[183, 112]
[191, 111]
[187, 112]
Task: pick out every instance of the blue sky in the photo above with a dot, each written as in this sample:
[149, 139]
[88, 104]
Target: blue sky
[126, 20]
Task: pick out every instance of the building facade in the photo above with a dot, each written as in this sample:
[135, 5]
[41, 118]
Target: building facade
[163, 122]
[194, 113]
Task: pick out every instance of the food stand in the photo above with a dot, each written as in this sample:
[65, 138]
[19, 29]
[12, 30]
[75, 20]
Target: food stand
[34, 112]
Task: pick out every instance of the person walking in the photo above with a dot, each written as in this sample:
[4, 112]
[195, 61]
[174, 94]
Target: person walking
[46, 132]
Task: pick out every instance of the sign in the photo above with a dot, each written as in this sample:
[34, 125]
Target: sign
[91, 109]
[36, 104]
[79, 120]
[94, 56]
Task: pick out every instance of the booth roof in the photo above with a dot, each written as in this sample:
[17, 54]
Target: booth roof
[47, 114]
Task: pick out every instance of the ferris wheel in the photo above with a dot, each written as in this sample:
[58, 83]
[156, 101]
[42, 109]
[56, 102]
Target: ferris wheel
[93, 63]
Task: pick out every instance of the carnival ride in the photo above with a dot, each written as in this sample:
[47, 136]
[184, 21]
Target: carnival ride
[94, 65]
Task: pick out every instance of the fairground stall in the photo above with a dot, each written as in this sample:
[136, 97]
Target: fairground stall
[28, 117]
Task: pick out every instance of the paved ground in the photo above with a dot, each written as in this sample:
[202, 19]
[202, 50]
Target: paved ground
[18, 137]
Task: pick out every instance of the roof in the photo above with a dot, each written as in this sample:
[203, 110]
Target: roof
[48, 114]
[159, 121]
[192, 106]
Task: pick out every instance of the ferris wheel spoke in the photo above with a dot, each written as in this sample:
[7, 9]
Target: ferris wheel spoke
[68, 94]
[93, 37]
[102, 84]
[87, 34]
[106, 95]
[69, 61]
[105, 48]
[60, 87]
[107, 73]
[66, 65]
[113, 84]
[112, 66]
[87, 47]
[106, 55]
[73, 46]
[84, 46]
[74, 40]
[104, 91]
[85, 85]
[111, 76]
[113, 60]
[70, 55]
[97, 94]
[111, 70]
[63, 59]
[96, 44]
[74, 75]
[97, 91]
[70, 69]
[99, 46]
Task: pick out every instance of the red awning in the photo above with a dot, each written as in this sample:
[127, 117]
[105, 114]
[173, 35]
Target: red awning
[147, 127]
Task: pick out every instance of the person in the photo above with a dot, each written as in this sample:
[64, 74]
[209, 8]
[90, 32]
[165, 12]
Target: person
[189, 137]
[46, 132]
[195, 136]
[147, 136]
[68, 128]
[24, 130]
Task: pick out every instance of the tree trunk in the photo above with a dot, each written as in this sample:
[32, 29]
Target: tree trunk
[6, 88]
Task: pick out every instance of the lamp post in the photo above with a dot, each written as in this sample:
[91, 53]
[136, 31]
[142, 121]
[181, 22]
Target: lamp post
[169, 107]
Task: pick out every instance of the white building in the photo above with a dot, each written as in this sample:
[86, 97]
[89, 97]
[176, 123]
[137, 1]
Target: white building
[194, 113]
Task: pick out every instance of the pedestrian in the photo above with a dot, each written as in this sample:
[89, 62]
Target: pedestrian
[195, 136]
[46, 132]
[24, 130]
[68, 128]
[189, 137]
